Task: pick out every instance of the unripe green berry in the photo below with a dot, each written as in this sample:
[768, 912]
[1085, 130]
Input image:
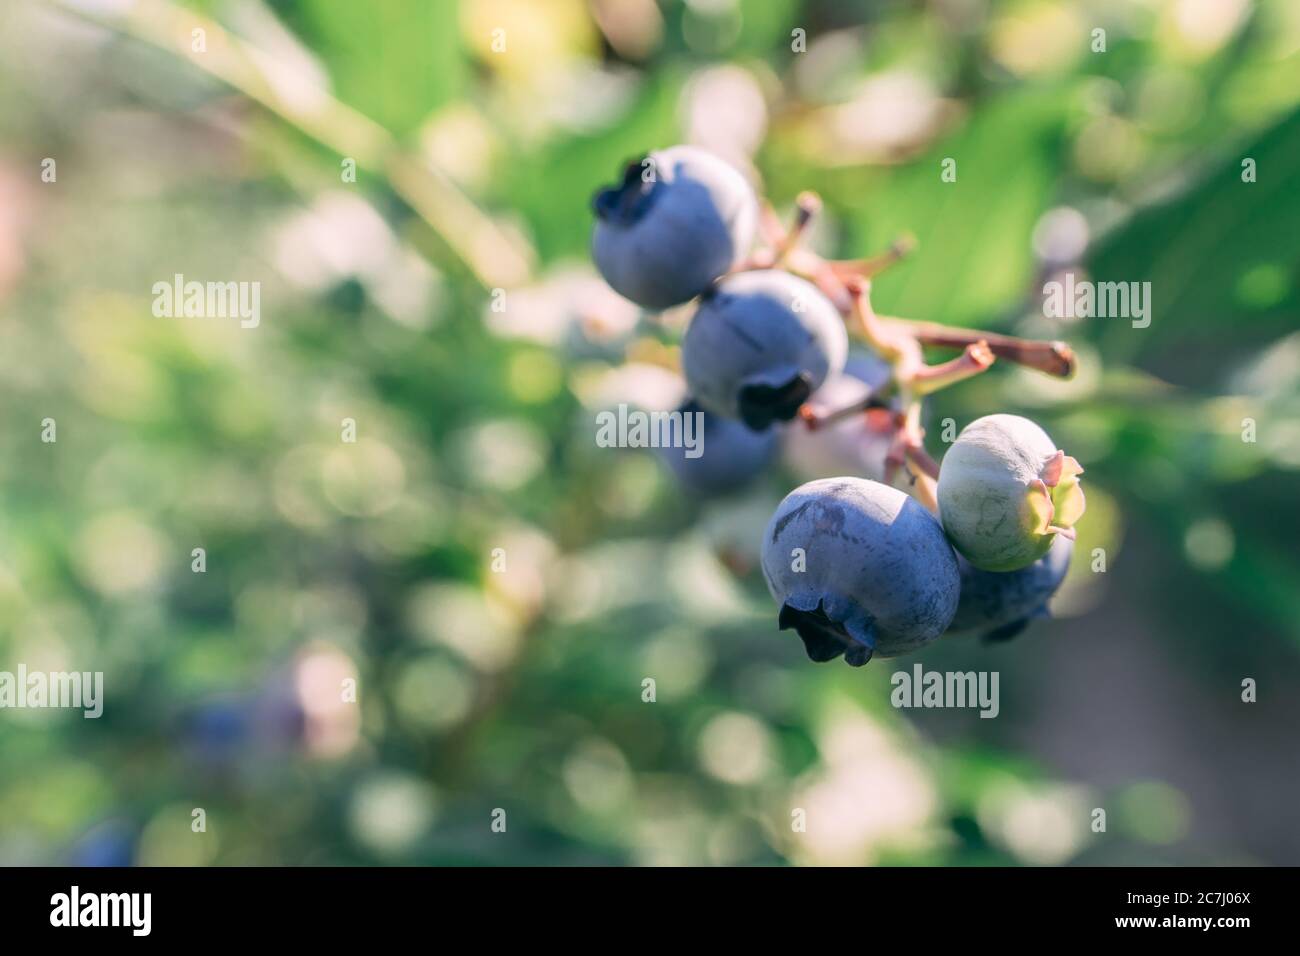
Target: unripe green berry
[1005, 491]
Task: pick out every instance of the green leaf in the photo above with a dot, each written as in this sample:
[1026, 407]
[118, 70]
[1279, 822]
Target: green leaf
[394, 60]
[974, 258]
[1220, 258]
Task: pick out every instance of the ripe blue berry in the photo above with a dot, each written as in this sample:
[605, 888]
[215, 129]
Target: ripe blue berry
[1000, 604]
[218, 731]
[760, 343]
[731, 455]
[1005, 491]
[860, 569]
[680, 218]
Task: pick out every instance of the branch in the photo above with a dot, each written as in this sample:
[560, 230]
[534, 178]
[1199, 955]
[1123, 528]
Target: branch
[495, 257]
[1054, 358]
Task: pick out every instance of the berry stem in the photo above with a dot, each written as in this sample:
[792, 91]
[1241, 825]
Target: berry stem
[1053, 358]
[770, 229]
[872, 266]
[914, 440]
[807, 205]
[894, 343]
[924, 486]
[920, 458]
[930, 378]
[815, 419]
[818, 271]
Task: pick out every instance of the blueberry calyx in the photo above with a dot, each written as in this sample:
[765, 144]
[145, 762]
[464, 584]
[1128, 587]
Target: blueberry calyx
[628, 201]
[825, 639]
[761, 405]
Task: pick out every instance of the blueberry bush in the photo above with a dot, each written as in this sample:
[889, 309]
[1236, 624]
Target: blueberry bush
[371, 571]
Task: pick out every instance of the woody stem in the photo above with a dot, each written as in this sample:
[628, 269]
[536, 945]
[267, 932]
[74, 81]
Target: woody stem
[807, 205]
[930, 378]
[1053, 358]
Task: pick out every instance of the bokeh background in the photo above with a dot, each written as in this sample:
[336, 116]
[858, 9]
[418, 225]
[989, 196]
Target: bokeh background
[521, 688]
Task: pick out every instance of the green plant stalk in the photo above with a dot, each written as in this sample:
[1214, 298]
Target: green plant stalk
[496, 258]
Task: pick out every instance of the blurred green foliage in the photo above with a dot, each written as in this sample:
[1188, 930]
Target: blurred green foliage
[500, 588]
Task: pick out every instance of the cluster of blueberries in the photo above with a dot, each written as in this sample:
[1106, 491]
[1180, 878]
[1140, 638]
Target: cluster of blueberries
[858, 567]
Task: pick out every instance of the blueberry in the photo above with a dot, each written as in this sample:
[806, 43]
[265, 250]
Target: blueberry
[999, 604]
[760, 344]
[869, 369]
[680, 218]
[1005, 492]
[218, 731]
[877, 575]
[730, 455]
[857, 445]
